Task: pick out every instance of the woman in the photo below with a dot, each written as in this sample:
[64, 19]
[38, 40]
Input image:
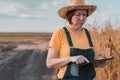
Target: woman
[73, 45]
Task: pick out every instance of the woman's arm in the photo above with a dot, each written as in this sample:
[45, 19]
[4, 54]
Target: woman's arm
[54, 62]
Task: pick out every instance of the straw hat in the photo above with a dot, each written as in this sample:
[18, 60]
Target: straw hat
[74, 5]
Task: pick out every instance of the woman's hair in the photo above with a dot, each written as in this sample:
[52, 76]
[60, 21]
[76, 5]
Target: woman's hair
[70, 15]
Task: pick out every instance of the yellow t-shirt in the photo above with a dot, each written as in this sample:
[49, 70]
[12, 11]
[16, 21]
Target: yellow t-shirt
[59, 42]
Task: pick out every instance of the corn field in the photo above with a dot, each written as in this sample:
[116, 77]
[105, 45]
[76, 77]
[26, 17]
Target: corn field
[109, 38]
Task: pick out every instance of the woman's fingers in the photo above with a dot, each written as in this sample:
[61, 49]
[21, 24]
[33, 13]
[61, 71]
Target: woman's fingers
[73, 58]
[82, 59]
[79, 59]
[86, 60]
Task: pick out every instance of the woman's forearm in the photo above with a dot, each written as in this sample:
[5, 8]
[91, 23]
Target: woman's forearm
[58, 62]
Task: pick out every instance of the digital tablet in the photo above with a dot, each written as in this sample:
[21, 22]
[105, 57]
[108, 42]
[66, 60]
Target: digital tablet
[96, 61]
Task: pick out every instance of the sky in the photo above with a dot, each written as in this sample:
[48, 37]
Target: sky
[42, 15]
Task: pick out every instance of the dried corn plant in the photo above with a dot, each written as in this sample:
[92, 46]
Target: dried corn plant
[109, 37]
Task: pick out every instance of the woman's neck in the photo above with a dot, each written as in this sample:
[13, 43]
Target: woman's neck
[76, 29]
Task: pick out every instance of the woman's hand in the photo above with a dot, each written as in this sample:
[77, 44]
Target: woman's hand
[101, 63]
[79, 59]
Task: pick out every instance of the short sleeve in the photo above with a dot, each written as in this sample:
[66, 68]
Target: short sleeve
[55, 41]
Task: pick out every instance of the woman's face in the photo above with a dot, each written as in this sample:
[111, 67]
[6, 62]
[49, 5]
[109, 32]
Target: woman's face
[79, 17]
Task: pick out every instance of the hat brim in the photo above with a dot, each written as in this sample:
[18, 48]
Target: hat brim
[63, 11]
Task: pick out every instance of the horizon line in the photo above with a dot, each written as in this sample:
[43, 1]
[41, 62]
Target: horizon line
[26, 32]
